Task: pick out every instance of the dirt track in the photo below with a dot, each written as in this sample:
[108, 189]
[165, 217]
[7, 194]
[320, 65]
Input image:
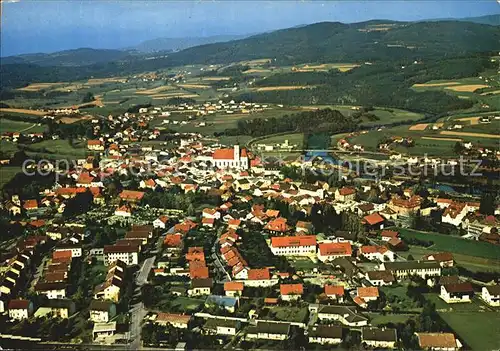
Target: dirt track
[478, 135]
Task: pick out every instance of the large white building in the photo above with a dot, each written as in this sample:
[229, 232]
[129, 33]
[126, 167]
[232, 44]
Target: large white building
[293, 245]
[231, 158]
[126, 253]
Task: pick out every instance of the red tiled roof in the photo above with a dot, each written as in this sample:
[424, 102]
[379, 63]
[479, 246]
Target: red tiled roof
[437, 341]
[346, 191]
[373, 219]
[337, 290]
[196, 271]
[289, 289]
[30, 204]
[223, 154]
[233, 286]
[293, 241]
[259, 274]
[131, 195]
[173, 240]
[328, 249]
[62, 254]
[368, 291]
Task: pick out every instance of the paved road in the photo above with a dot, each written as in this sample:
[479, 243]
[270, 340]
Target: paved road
[218, 264]
[137, 314]
[142, 276]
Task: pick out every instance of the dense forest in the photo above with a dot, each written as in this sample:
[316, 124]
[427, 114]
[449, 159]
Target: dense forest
[384, 84]
[325, 120]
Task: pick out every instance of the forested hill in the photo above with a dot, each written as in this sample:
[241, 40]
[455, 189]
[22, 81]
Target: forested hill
[367, 41]
[374, 41]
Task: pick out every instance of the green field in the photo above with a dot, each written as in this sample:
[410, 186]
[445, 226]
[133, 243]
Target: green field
[380, 319]
[480, 330]
[303, 264]
[291, 314]
[58, 148]
[454, 244]
[474, 323]
[7, 173]
[187, 303]
[8, 125]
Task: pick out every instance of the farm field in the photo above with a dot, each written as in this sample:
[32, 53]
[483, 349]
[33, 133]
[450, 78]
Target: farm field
[8, 125]
[470, 134]
[23, 111]
[454, 244]
[57, 147]
[474, 322]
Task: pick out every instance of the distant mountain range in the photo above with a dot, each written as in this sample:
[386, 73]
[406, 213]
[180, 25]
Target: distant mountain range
[374, 41]
[492, 20]
[177, 44]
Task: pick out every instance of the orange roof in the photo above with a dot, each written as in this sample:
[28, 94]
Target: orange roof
[197, 271]
[244, 153]
[62, 254]
[367, 249]
[208, 220]
[234, 222]
[94, 142]
[337, 290]
[327, 249]
[271, 300]
[259, 274]
[437, 341]
[195, 254]
[223, 154]
[70, 191]
[272, 213]
[368, 291]
[291, 289]
[373, 219]
[346, 191]
[131, 195]
[233, 286]
[30, 204]
[292, 241]
[278, 225]
[173, 240]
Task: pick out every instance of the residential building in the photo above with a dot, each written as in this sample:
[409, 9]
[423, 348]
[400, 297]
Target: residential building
[260, 277]
[291, 292]
[20, 309]
[445, 259]
[51, 290]
[222, 326]
[346, 315]
[375, 252]
[404, 269]
[460, 292]
[379, 337]
[102, 311]
[331, 251]
[335, 292]
[200, 287]
[345, 194]
[491, 295]
[405, 205]
[302, 245]
[180, 321]
[233, 289]
[325, 334]
[57, 308]
[126, 253]
[380, 278]
[269, 330]
[438, 341]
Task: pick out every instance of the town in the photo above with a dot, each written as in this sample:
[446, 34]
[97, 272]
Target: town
[193, 244]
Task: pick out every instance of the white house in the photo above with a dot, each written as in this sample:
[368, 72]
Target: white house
[379, 337]
[302, 245]
[491, 295]
[460, 292]
[325, 334]
[20, 309]
[221, 326]
[102, 311]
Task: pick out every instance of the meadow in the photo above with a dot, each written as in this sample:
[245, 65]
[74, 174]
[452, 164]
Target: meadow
[454, 244]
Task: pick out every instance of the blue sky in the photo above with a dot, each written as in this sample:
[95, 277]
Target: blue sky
[51, 25]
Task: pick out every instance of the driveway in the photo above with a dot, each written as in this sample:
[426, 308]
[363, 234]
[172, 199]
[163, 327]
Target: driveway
[137, 314]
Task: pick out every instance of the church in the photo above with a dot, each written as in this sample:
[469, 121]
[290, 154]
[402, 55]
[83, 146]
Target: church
[231, 158]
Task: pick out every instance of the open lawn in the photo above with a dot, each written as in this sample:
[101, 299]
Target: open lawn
[8, 125]
[454, 244]
[400, 301]
[7, 173]
[58, 147]
[302, 264]
[291, 314]
[474, 323]
[480, 330]
[187, 303]
[377, 319]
